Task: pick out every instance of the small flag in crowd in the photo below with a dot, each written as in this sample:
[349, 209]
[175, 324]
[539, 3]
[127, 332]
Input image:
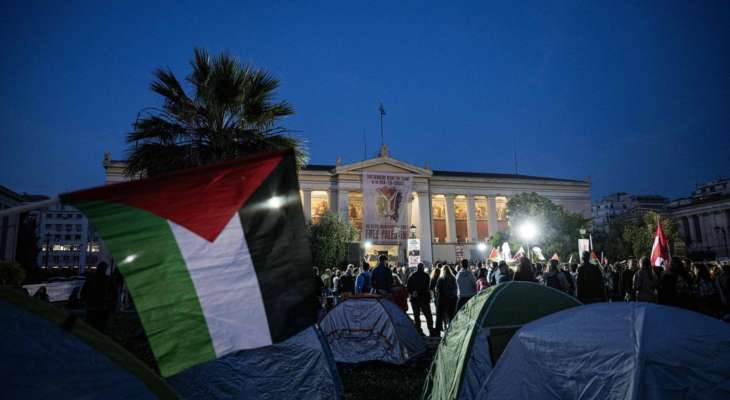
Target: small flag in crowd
[594, 259]
[520, 253]
[494, 254]
[216, 258]
[555, 257]
[538, 253]
[660, 248]
[506, 252]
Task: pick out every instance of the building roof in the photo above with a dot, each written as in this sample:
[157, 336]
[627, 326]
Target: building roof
[690, 202]
[9, 193]
[465, 174]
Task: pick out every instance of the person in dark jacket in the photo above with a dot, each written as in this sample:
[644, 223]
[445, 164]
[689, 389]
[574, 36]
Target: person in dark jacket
[419, 290]
[447, 295]
[525, 271]
[502, 274]
[673, 289]
[589, 282]
[381, 279]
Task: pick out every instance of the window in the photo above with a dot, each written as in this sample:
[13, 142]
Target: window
[460, 219]
[320, 205]
[77, 237]
[482, 216]
[438, 215]
[501, 213]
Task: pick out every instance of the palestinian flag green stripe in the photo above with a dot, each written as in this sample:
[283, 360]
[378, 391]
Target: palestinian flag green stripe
[174, 323]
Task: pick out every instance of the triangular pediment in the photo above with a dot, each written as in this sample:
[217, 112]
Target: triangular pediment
[382, 164]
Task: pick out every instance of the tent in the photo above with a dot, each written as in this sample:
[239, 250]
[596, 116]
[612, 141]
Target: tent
[47, 355]
[300, 367]
[371, 328]
[481, 330]
[615, 351]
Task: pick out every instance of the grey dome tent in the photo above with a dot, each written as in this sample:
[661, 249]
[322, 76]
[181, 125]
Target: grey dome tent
[615, 351]
[481, 330]
[371, 328]
[300, 367]
[46, 355]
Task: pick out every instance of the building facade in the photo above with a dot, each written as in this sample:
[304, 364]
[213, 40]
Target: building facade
[624, 206]
[66, 239]
[8, 224]
[450, 212]
[703, 220]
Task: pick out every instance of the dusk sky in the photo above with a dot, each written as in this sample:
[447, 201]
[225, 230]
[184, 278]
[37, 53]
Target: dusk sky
[635, 95]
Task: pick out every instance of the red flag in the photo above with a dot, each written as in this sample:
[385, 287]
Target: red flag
[555, 257]
[520, 253]
[494, 254]
[660, 248]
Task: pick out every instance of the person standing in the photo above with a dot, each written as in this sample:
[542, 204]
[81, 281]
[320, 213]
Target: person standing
[465, 283]
[589, 282]
[525, 271]
[363, 280]
[555, 279]
[673, 289]
[482, 282]
[645, 282]
[346, 284]
[502, 274]
[627, 280]
[420, 293]
[447, 295]
[382, 278]
[96, 294]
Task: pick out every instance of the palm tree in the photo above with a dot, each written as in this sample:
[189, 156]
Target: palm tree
[230, 113]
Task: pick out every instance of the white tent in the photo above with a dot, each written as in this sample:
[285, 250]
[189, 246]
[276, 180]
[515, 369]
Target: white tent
[615, 351]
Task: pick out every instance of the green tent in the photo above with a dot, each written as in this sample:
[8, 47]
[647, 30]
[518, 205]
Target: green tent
[480, 332]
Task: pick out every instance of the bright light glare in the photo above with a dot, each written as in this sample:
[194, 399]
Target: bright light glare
[275, 202]
[368, 244]
[482, 247]
[527, 231]
[128, 259]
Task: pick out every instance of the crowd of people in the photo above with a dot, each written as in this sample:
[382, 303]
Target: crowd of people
[698, 286]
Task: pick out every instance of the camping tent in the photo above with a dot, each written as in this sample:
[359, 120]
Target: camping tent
[615, 351]
[46, 355]
[300, 367]
[481, 330]
[371, 328]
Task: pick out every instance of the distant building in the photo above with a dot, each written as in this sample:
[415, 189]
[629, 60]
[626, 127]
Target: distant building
[449, 212]
[704, 220]
[65, 238]
[624, 206]
[8, 224]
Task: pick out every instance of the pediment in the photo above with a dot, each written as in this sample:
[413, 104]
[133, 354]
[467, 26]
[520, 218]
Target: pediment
[382, 164]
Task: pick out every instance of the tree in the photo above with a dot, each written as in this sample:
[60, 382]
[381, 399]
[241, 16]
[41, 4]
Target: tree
[229, 113]
[329, 238]
[557, 229]
[11, 274]
[639, 236]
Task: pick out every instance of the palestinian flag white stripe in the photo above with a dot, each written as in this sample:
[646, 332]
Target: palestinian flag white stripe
[236, 317]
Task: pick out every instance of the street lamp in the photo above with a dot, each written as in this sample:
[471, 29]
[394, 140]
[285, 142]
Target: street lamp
[527, 231]
[482, 247]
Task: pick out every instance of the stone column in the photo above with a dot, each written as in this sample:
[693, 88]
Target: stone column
[343, 203]
[307, 204]
[424, 227]
[332, 200]
[471, 219]
[450, 219]
[492, 214]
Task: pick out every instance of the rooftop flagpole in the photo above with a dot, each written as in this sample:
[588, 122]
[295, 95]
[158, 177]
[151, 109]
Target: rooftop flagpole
[29, 207]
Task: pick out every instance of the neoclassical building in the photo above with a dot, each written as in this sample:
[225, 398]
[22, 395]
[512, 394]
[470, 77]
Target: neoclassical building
[450, 212]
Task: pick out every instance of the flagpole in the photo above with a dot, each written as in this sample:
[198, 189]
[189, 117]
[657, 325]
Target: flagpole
[29, 207]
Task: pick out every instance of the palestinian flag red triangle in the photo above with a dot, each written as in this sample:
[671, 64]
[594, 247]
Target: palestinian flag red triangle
[201, 199]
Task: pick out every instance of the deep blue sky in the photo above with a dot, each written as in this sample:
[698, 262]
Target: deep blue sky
[635, 95]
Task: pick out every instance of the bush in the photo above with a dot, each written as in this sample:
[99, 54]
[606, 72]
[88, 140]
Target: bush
[11, 274]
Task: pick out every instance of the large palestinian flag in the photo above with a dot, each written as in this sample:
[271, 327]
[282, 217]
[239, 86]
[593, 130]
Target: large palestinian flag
[216, 258]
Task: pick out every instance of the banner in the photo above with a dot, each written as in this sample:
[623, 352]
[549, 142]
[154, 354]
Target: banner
[414, 252]
[385, 205]
[583, 245]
